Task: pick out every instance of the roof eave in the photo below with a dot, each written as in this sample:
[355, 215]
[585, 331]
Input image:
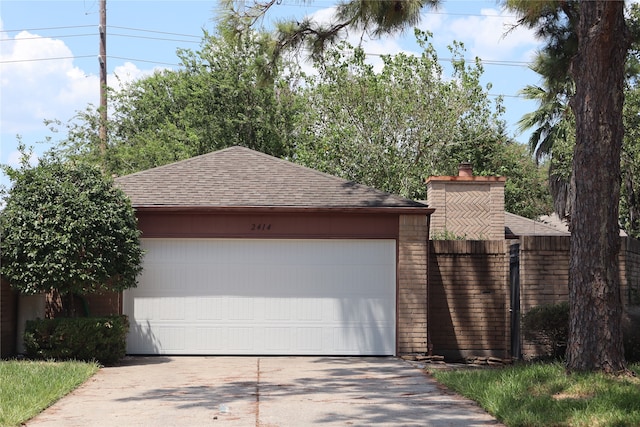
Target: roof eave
[379, 210]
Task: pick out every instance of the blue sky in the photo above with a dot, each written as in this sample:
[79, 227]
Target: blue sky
[49, 49]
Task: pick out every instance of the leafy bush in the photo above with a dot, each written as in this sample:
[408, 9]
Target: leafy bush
[102, 339]
[447, 235]
[66, 227]
[548, 325]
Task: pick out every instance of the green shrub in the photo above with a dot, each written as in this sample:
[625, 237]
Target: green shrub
[548, 325]
[102, 339]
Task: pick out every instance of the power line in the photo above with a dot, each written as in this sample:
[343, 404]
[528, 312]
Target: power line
[52, 37]
[62, 36]
[153, 38]
[93, 26]
[14, 61]
[175, 65]
[59, 58]
[47, 28]
[143, 60]
[483, 62]
[152, 31]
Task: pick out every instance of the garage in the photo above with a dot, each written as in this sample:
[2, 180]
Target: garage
[250, 254]
[233, 296]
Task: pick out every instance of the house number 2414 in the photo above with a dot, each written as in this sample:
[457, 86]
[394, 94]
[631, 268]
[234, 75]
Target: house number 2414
[260, 227]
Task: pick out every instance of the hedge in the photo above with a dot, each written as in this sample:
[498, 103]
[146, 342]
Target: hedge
[102, 339]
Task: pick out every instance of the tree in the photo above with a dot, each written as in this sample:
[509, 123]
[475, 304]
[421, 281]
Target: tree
[595, 333]
[66, 228]
[432, 122]
[590, 48]
[223, 95]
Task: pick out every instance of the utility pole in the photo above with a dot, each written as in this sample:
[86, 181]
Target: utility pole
[103, 78]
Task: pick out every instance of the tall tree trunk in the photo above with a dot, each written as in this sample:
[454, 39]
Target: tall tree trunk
[595, 334]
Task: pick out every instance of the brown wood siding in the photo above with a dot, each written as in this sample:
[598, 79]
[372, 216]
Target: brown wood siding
[267, 225]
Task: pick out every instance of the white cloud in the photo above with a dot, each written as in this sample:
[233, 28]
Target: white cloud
[39, 81]
[493, 36]
[127, 73]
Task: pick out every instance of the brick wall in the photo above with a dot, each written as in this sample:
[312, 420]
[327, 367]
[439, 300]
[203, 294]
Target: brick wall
[469, 298]
[544, 275]
[544, 270]
[412, 284]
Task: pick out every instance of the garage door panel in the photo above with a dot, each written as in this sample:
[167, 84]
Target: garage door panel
[309, 309]
[224, 296]
[211, 339]
[211, 308]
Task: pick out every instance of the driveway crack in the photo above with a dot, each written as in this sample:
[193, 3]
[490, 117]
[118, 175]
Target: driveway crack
[258, 392]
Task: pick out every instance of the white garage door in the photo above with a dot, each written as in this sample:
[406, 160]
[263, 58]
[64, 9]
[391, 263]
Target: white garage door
[245, 296]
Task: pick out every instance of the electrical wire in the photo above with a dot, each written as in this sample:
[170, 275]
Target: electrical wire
[143, 60]
[153, 38]
[153, 31]
[14, 61]
[49, 37]
[47, 28]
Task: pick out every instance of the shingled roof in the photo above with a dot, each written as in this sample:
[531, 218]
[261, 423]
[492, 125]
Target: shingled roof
[240, 177]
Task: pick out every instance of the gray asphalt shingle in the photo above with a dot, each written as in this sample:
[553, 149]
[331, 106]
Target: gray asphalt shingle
[240, 177]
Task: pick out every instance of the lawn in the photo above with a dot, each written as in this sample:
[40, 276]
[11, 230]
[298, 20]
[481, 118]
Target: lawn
[26, 388]
[536, 395]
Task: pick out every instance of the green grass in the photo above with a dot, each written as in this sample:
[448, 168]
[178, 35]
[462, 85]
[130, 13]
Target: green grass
[535, 395]
[26, 388]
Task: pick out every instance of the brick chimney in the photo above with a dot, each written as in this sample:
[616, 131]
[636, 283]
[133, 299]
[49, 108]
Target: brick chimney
[466, 205]
[465, 169]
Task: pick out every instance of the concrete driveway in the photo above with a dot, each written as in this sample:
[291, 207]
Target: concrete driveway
[264, 392]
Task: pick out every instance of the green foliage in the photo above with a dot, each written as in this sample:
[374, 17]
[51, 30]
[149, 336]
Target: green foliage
[223, 95]
[447, 235]
[548, 325]
[432, 122]
[28, 387]
[232, 93]
[66, 227]
[82, 338]
[630, 162]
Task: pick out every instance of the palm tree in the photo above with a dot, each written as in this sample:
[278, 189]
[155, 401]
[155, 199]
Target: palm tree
[553, 136]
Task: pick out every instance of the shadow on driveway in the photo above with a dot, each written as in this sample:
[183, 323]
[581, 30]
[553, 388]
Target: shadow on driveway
[263, 391]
